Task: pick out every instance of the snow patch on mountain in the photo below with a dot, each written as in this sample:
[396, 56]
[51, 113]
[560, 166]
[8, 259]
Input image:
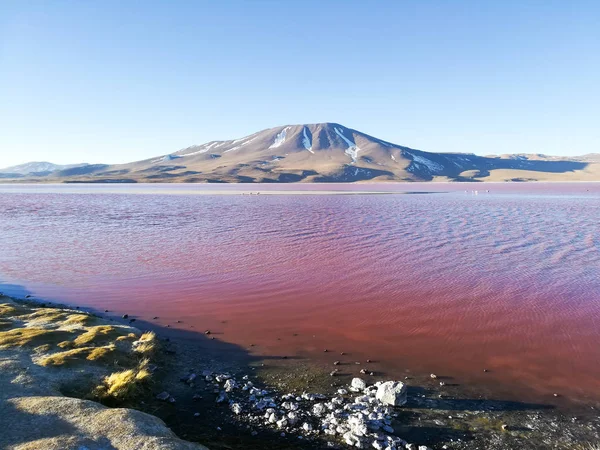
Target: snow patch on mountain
[431, 165]
[352, 149]
[280, 138]
[241, 145]
[166, 158]
[203, 149]
[306, 141]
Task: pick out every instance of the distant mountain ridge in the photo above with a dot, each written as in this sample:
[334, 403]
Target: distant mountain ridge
[37, 167]
[323, 152]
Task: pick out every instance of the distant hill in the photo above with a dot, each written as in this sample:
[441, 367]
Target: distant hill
[323, 152]
[36, 168]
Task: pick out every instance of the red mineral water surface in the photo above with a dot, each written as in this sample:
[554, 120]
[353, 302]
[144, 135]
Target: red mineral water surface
[451, 279]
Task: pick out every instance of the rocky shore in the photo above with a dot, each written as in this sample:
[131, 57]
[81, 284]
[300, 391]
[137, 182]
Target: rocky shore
[61, 369]
[358, 416]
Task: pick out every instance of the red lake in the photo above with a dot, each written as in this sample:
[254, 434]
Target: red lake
[444, 278]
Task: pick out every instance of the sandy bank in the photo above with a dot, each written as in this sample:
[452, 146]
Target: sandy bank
[47, 352]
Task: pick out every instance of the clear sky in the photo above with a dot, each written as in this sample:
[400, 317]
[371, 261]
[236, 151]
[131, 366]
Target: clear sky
[117, 81]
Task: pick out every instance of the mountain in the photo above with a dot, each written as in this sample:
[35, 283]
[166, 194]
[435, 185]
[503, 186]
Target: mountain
[37, 168]
[327, 152]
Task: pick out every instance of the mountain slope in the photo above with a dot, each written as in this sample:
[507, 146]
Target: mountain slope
[328, 152]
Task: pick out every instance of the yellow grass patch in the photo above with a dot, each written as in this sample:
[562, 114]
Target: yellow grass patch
[100, 352]
[146, 344]
[96, 335]
[23, 336]
[7, 310]
[76, 354]
[49, 314]
[78, 319]
[128, 337]
[44, 348]
[12, 309]
[125, 384]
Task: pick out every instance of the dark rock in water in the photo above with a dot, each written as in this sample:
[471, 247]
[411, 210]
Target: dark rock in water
[325, 350]
[342, 353]
[284, 357]
[335, 363]
[155, 317]
[368, 360]
[28, 296]
[106, 310]
[77, 307]
[207, 332]
[179, 321]
[485, 370]
[125, 316]
[131, 320]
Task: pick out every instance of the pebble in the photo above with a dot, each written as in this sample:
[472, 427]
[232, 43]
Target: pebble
[164, 396]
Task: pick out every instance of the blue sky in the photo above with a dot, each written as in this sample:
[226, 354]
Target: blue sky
[113, 81]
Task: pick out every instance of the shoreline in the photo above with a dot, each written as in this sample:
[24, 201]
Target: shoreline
[434, 416]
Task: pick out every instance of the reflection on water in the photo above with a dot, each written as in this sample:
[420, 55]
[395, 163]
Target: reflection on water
[507, 280]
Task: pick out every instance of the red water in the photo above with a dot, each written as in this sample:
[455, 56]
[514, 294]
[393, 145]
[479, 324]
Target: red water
[450, 282]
